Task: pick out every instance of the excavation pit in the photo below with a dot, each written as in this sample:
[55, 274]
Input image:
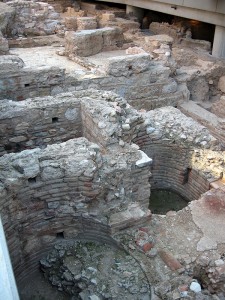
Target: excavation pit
[86, 269]
[95, 271]
[164, 200]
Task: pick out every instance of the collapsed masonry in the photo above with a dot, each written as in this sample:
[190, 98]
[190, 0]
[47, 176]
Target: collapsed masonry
[80, 158]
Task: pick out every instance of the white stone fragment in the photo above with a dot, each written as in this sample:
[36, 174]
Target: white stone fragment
[126, 126]
[144, 161]
[94, 281]
[135, 146]
[121, 143]
[219, 262]
[150, 129]
[94, 297]
[101, 125]
[195, 287]
[167, 53]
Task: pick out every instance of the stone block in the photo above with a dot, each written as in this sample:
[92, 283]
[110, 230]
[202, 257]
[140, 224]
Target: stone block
[144, 160]
[108, 17]
[86, 23]
[84, 43]
[10, 63]
[112, 37]
[71, 23]
[192, 43]
[135, 50]
[160, 39]
[127, 65]
[218, 107]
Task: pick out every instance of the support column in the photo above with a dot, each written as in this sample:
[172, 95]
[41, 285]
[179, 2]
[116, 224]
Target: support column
[136, 11]
[8, 289]
[219, 42]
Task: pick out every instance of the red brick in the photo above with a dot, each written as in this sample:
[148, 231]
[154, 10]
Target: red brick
[169, 260]
[183, 288]
[145, 229]
[148, 246]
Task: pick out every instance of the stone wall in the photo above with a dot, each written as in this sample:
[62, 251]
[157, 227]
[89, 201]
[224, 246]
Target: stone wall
[90, 42]
[143, 82]
[46, 193]
[61, 6]
[107, 119]
[86, 228]
[186, 157]
[109, 20]
[33, 18]
[39, 122]
[4, 45]
[18, 82]
[36, 41]
[6, 16]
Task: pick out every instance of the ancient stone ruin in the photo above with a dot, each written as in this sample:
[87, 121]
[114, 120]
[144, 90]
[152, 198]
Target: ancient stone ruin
[100, 111]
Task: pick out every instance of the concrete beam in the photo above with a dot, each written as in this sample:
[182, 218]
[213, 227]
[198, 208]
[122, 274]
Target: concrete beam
[8, 289]
[214, 15]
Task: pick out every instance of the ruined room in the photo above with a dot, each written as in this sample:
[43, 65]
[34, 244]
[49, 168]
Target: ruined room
[112, 150]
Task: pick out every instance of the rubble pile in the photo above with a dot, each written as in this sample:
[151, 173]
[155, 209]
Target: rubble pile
[94, 271]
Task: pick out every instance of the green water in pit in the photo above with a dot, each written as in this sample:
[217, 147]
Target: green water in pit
[161, 201]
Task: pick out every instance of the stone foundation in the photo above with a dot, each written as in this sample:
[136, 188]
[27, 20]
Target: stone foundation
[90, 42]
[144, 83]
[18, 82]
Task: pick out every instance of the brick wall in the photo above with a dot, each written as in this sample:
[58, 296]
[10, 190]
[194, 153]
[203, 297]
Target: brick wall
[39, 122]
[66, 190]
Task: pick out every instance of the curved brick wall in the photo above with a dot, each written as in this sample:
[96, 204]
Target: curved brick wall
[87, 229]
[65, 192]
[33, 224]
[186, 157]
[172, 169]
